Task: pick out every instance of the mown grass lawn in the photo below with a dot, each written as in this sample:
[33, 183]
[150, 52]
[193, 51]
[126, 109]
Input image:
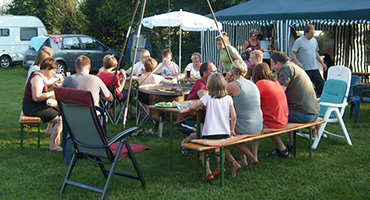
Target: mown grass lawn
[336, 170]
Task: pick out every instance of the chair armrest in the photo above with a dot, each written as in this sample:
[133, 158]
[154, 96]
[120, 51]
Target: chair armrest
[338, 105]
[359, 88]
[122, 135]
[364, 92]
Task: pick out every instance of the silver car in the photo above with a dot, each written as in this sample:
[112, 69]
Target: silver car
[67, 48]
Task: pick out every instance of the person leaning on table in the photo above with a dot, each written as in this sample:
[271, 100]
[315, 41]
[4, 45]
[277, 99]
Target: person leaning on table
[302, 103]
[35, 97]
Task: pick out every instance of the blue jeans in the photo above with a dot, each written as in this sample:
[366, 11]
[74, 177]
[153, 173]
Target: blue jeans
[296, 117]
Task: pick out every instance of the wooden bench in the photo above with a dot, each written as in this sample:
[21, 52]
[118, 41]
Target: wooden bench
[200, 145]
[29, 122]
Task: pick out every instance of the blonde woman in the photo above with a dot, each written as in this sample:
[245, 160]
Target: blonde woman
[246, 99]
[194, 66]
[225, 63]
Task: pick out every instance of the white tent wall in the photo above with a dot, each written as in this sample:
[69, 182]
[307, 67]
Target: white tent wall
[349, 41]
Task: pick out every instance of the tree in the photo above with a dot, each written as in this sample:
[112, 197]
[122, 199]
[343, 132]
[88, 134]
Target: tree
[58, 16]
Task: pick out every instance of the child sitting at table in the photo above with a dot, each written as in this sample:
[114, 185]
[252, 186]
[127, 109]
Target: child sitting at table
[217, 124]
[167, 67]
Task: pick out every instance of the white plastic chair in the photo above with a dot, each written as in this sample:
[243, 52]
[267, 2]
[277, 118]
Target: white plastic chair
[333, 102]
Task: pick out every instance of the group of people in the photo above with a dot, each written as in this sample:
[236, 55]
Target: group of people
[236, 103]
[261, 100]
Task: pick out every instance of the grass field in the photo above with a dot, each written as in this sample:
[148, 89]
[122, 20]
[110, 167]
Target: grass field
[336, 170]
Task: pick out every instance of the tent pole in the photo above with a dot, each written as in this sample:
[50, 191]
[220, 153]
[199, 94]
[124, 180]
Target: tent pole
[219, 31]
[133, 63]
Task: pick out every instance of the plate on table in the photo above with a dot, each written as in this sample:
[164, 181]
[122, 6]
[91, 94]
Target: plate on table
[166, 104]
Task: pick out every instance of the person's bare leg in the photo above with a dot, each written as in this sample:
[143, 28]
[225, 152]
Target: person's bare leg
[55, 133]
[252, 160]
[190, 137]
[49, 128]
[242, 159]
[234, 165]
[254, 148]
[278, 142]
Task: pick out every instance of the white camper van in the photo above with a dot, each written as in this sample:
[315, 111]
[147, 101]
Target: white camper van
[15, 34]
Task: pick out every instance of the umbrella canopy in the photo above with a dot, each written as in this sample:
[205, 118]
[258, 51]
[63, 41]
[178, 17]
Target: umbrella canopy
[185, 20]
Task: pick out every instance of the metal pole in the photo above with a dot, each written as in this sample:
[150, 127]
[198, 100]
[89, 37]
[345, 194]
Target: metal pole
[128, 34]
[133, 63]
[219, 31]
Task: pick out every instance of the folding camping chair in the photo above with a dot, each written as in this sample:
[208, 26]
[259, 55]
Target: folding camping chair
[333, 102]
[142, 113]
[116, 105]
[80, 118]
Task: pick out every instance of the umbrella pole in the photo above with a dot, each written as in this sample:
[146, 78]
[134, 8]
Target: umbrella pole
[180, 51]
[219, 31]
[133, 62]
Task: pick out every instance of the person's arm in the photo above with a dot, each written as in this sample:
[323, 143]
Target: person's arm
[232, 120]
[159, 68]
[195, 105]
[321, 62]
[167, 81]
[236, 56]
[245, 45]
[232, 89]
[107, 98]
[295, 59]
[37, 88]
[219, 67]
[283, 87]
[201, 93]
[122, 80]
[171, 66]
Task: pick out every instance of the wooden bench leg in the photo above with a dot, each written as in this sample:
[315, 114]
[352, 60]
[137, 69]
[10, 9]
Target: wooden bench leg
[294, 143]
[22, 127]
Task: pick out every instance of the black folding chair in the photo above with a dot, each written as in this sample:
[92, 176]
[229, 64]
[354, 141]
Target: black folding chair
[116, 105]
[80, 118]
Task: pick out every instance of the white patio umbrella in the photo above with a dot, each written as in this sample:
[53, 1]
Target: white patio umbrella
[186, 20]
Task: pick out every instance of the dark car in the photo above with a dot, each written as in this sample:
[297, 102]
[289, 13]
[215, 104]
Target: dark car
[67, 48]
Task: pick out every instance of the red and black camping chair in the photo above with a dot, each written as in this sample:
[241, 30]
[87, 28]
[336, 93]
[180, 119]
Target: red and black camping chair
[89, 140]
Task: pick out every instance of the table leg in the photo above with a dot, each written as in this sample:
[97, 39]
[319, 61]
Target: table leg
[294, 143]
[198, 136]
[171, 142]
[160, 127]
[310, 144]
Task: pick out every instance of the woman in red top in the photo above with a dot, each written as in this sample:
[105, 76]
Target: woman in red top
[274, 105]
[110, 78]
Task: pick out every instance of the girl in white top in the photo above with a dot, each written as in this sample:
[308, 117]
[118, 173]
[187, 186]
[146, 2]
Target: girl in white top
[217, 124]
[195, 65]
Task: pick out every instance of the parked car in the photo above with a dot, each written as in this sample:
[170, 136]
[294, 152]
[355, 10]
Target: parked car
[15, 33]
[67, 48]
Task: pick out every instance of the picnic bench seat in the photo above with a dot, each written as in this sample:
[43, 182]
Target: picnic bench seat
[204, 145]
[29, 122]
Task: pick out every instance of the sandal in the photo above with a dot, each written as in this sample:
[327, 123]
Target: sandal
[56, 149]
[280, 154]
[273, 153]
[217, 172]
[209, 177]
[290, 148]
